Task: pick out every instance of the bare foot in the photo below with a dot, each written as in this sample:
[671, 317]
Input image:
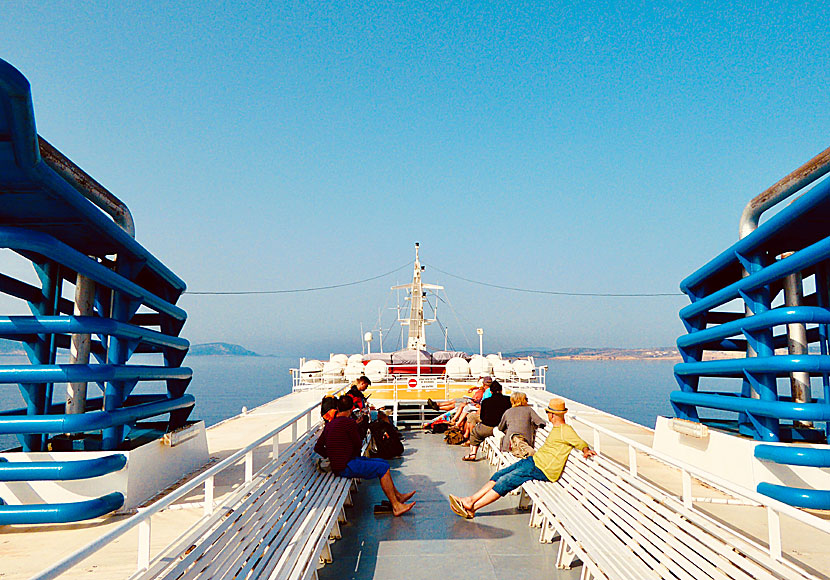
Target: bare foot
[404, 507]
[467, 505]
[403, 497]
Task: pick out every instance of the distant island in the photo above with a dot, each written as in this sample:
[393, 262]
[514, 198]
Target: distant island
[586, 353]
[220, 349]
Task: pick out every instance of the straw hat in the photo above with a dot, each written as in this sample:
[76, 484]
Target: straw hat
[557, 406]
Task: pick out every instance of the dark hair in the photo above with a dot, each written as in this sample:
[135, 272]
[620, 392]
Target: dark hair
[495, 387]
[364, 379]
[327, 404]
[345, 403]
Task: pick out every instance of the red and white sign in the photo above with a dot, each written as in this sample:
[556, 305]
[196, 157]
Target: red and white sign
[413, 383]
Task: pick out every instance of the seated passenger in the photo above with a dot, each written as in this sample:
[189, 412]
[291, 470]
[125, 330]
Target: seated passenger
[492, 409]
[519, 424]
[356, 392]
[546, 465]
[340, 441]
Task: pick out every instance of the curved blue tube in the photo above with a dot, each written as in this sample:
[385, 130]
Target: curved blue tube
[94, 421]
[61, 470]
[16, 92]
[20, 325]
[89, 373]
[816, 499]
[798, 261]
[780, 365]
[58, 513]
[775, 409]
[760, 321]
[792, 455]
[45, 245]
[776, 224]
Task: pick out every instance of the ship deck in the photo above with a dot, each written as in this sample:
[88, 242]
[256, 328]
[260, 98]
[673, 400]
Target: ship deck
[427, 542]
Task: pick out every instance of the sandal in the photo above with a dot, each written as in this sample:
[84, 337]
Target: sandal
[469, 457]
[458, 508]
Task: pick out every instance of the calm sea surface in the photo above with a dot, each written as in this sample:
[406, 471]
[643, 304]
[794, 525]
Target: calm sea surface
[636, 390]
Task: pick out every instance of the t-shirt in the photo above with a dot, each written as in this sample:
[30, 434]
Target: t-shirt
[553, 454]
[340, 442]
[493, 408]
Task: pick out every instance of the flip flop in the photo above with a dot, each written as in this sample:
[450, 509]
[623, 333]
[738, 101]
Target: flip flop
[458, 508]
[469, 457]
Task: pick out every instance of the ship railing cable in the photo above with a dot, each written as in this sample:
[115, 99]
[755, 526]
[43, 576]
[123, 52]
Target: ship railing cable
[465, 279]
[296, 290]
[774, 508]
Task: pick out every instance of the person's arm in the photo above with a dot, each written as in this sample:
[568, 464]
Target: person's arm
[503, 423]
[536, 419]
[357, 444]
[320, 446]
[571, 438]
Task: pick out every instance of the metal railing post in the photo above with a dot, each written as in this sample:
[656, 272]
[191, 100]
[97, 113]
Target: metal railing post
[596, 441]
[774, 530]
[249, 466]
[209, 496]
[144, 544]
[275, 447]
[632, 461]
[293, 431]
[686, 477]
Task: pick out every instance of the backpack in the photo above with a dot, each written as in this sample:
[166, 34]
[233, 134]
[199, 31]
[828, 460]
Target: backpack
[386, 440]
[519, 446]
[454, 436]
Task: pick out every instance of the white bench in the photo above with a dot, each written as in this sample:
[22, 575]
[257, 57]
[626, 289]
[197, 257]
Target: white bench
[277, 526]
[620, 526]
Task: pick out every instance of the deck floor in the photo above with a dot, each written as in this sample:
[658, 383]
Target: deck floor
[431, 541]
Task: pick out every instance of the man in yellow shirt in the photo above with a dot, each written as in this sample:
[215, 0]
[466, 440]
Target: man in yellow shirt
[546, 465]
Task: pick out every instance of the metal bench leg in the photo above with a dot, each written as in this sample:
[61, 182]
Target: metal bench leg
[525, 502]
[548, 534]
[341, 517]
[586, 573]
[325, 555]
[565, 557]
[335, 531]
[536, 517]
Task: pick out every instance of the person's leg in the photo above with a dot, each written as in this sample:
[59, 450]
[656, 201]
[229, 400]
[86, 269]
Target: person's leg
[388, 487]
[501, 483]
[446, 405]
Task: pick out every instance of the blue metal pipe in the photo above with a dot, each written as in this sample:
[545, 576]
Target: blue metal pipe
[768, 319]
[776, 409]
[21, 325]
[61, 470]
[792, 455]
[751, 244]
[93, 421]
[65, 373]
[804, 498]
[58, 513]
[798, 261]
[17, 92]
[779, 365]
[32, 241]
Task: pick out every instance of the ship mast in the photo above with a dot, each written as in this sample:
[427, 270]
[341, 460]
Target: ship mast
[417, 292]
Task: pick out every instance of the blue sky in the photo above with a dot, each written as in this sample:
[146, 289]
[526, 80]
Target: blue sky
[580, 147]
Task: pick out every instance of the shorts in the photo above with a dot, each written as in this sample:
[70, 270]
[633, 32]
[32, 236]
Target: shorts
[479, 433]
[365, 468]
[513, 476]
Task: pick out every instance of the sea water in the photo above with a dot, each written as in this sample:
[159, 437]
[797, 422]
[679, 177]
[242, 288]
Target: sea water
[636, 390]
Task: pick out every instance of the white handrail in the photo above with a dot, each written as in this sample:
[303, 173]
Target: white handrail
[144, 514]
[774, 507]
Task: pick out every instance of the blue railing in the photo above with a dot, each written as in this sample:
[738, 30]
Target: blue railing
[47, 218]
[739, 311]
